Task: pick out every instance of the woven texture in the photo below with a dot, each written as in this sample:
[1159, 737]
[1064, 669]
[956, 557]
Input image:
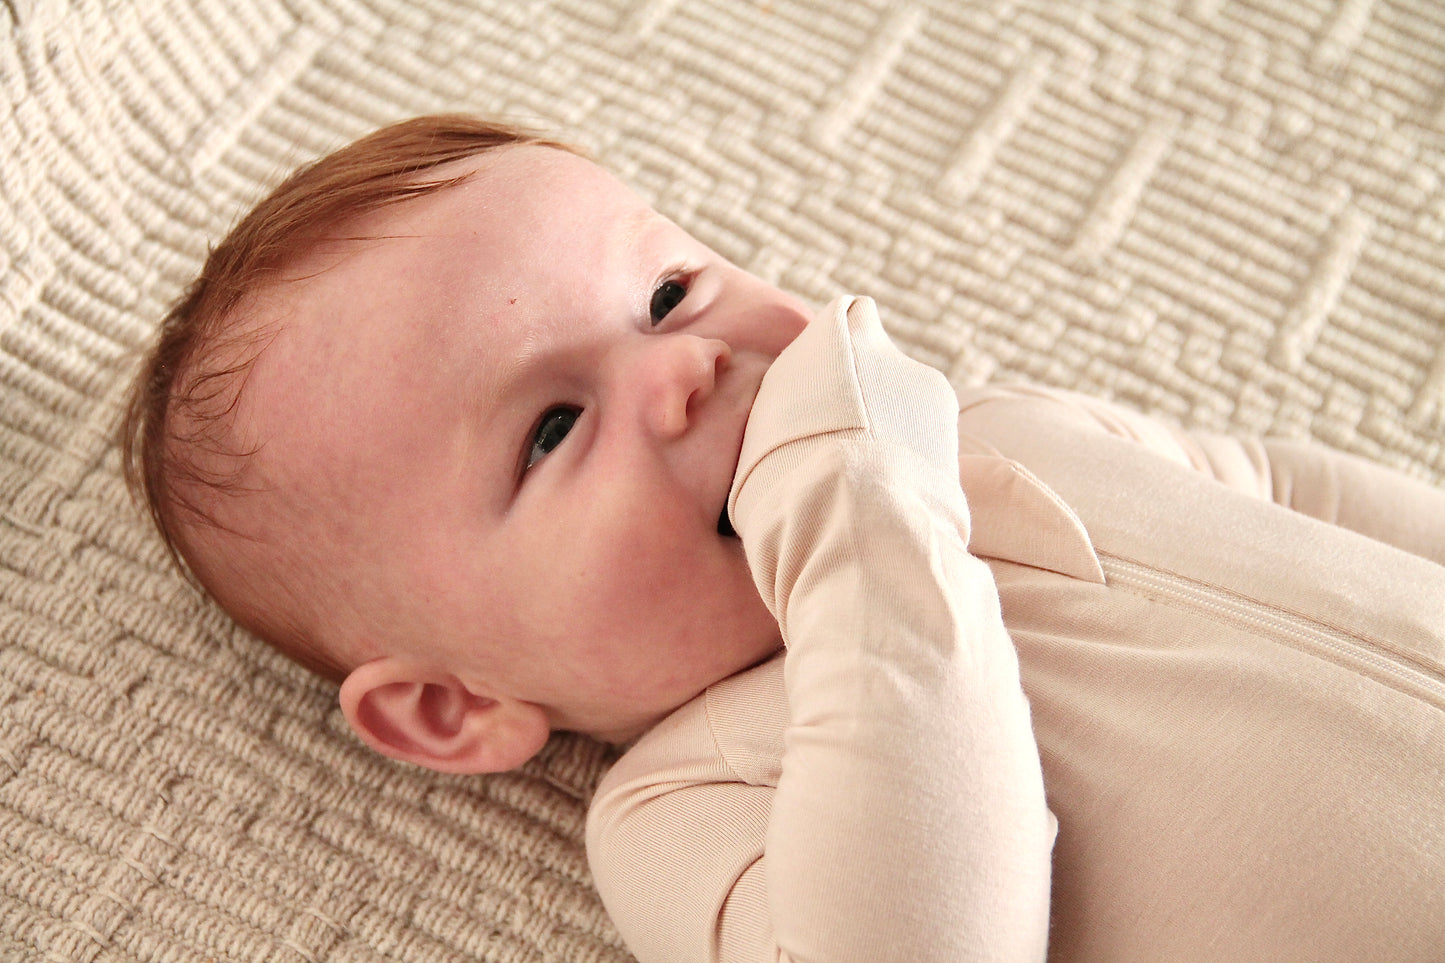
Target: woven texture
[1230, 212]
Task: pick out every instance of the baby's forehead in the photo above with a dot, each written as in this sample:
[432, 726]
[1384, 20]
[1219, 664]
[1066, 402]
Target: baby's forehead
[515, 185]
[380, 304]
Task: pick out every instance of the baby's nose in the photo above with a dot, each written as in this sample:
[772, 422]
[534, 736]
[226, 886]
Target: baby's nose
[677, 374]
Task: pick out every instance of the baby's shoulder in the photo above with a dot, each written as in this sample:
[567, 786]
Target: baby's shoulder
[732, 732]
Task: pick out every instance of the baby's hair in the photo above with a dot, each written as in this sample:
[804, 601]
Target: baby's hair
[176, 418]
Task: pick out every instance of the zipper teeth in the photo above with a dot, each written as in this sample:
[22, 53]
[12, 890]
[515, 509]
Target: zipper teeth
[1285, 626]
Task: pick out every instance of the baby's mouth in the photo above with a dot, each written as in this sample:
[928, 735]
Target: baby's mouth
[725, 525]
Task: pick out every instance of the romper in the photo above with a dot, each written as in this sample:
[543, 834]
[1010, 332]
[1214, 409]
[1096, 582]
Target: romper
[1237, 711]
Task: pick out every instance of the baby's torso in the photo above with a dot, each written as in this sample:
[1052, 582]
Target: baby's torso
[1233, 778]
[1242, 727]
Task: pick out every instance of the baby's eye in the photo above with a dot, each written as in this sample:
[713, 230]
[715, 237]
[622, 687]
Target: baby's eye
[555, 425]
[669, 294]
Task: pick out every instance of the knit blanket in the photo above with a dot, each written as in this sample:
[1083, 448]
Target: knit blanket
[1227, 212]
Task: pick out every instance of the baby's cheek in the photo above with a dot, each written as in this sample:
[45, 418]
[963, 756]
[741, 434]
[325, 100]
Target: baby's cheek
[631, 555]
[648, 532]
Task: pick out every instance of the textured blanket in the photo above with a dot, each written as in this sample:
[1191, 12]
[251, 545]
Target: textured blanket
[1228, 212]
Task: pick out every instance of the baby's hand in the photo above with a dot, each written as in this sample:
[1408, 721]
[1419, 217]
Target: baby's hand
[842, 391]
[844, 374]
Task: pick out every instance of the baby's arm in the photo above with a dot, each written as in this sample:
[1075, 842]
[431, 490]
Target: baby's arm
[908, 820]
[1307, 477]
[1353, 493]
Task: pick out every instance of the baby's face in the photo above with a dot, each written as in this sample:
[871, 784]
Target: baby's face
[514, 419]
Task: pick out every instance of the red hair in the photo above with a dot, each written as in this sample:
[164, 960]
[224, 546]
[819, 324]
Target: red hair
[176, 417]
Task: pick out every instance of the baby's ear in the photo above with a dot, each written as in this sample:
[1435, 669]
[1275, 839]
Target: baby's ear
[435, 720]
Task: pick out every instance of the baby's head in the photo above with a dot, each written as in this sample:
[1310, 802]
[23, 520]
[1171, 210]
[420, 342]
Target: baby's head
[451, 417]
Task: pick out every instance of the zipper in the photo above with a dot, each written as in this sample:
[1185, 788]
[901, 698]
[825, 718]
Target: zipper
[1288, 628]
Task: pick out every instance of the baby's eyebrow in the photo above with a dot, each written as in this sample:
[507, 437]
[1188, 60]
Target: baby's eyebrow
[497, 443]
[630, 230]
[497, 395]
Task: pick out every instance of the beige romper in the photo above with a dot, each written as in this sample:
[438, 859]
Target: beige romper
[1237, 712]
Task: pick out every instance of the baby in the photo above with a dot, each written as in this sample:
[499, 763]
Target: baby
[457, 420]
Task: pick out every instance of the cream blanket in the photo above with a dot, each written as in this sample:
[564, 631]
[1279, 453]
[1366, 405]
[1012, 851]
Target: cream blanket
[1229, 212]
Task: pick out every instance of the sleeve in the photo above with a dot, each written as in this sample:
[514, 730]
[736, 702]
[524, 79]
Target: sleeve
[907, 819]
[1308, 477]
[1349, 491]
